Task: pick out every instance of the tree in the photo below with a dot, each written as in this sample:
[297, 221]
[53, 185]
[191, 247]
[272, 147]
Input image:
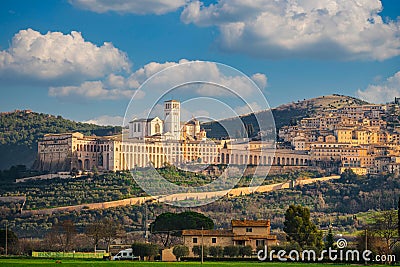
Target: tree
[95, 232]
[180, 251]
[299, 228]
[348, 175]
[245, 251]
[95, 171]
[231, 251]
[197, 250]
[111, 231]
[329, 239]
[144, 250]
[386, 226]
[398, 217]
[62, 235]
[167, 224]
[216, 251]
[374, 243]
[12, 240]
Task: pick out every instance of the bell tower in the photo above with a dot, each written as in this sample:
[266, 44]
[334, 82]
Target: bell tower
[172, 118]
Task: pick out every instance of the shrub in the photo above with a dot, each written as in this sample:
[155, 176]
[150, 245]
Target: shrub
[231, 251]
[197, 251]
[144, 250]
[180, 251]
[216, 251]
[245, 251]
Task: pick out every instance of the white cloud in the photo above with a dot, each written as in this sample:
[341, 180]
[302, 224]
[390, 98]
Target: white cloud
[107, 120]
[260, 79]
[208, 72]
[341, 29]
[384, 92]
[248, 108]
[91, 90]
[55, 57]
[130, 6]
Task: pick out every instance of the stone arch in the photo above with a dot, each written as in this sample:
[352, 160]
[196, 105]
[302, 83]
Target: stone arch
[86, 165]
[80, 165]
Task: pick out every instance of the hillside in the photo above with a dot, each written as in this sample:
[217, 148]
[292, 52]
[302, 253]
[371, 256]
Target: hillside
[286, 114]
[20, 131]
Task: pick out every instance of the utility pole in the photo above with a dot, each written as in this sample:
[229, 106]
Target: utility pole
[146, 235]
[366, 242]
[6, 238]
[202, 245]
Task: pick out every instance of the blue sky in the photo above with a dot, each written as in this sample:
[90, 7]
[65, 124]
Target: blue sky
[293, 49]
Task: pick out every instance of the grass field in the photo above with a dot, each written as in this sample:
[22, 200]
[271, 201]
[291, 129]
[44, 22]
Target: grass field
[42, 262]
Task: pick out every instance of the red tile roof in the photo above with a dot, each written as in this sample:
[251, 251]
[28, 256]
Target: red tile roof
[207, 232]
[249, 237]
[247, 223]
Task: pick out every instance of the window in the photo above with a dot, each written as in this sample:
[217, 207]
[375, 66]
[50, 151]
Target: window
[260, 243]
[240, 243]
[194, 240]
[214, 240]
[249, 230]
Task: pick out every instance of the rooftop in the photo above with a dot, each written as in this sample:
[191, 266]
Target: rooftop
[245, 223]
[221, 232]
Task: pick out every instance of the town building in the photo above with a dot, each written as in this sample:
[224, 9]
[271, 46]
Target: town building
[254, 233]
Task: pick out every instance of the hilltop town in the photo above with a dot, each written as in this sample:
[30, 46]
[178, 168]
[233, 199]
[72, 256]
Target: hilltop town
[358, 136]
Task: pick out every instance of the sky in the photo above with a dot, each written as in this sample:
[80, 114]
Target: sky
[85, 59]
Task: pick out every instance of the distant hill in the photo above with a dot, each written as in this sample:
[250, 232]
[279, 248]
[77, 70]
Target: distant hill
[21, 129]
[285, 114]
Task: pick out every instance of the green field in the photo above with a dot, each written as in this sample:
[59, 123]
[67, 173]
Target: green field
[42, 262]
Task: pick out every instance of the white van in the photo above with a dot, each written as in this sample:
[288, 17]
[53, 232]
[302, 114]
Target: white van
[125, 254]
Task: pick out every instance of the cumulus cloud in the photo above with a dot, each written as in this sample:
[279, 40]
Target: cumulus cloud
[328, 28]
[91, 90]
[128, 6]
[75, 69]
[248, 108]
[55, 56]
[382, 92]
[118, 86]
[207, 72]
[260, 79]
[107, 120]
